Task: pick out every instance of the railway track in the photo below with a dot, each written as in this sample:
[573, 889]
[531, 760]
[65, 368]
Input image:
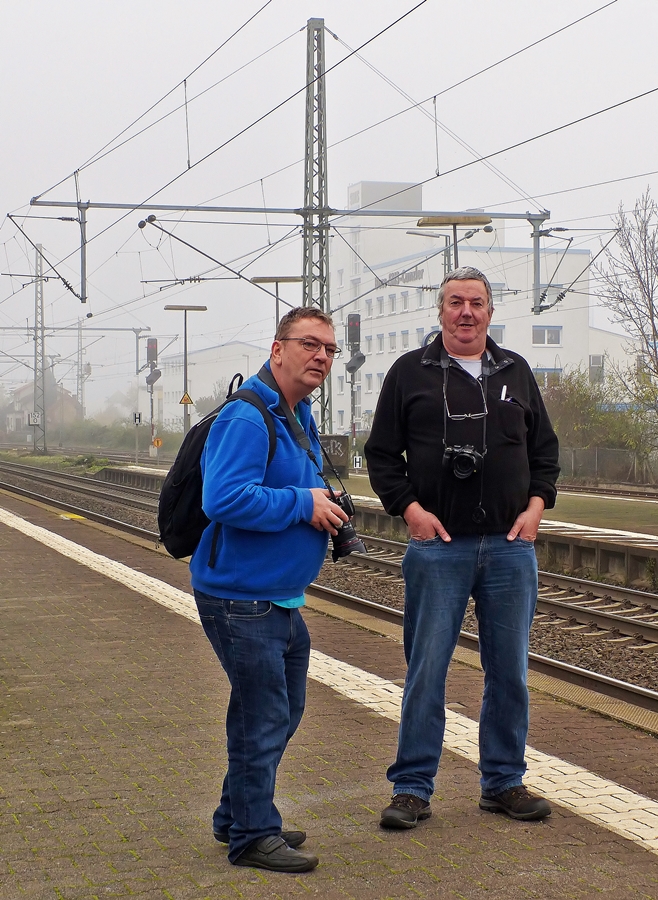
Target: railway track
[611, 687]
[386, 556]
[597, 610]
[135, 497]
[620, 491]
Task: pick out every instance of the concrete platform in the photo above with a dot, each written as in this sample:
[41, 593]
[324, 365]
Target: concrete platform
[112, 729]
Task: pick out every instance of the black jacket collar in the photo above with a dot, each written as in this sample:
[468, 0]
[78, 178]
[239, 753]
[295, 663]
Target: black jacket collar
[436, 355]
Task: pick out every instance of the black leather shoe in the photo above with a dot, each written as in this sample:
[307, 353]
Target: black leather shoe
[274, 854]
[405, 811]
[518, 803]
[292, 838]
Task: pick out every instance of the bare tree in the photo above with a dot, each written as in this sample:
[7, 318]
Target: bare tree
[629, 278]
[629, 289]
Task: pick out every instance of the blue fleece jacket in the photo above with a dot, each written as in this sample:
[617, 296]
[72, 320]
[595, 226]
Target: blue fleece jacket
[267, 548]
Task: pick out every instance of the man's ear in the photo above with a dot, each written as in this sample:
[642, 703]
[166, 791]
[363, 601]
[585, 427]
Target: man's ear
[275, 353]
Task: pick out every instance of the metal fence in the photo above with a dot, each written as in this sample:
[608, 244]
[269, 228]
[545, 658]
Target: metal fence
[609, 466]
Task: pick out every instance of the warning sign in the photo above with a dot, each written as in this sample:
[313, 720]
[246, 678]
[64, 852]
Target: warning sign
[186, 400]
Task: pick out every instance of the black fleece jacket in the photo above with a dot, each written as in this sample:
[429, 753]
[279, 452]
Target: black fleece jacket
[405, 448]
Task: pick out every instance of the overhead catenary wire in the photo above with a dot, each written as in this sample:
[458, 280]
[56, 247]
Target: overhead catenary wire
[514, 146]
[171, 112]
[255, 122]
[168, 94]
[546, 37]
[437, 123]
[66, 284]
[427, 99]
[212, 259]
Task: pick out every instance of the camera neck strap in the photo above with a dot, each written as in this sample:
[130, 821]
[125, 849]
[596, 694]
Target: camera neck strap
[299, 434]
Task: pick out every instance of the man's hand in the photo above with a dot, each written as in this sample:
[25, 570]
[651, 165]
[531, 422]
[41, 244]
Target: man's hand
[422, 525]
[327, 516]
[527, 522]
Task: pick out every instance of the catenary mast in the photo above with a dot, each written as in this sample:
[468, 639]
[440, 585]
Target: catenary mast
[316, 209]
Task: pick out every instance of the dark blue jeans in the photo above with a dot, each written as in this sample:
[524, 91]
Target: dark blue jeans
[501, 576]
[264, 650]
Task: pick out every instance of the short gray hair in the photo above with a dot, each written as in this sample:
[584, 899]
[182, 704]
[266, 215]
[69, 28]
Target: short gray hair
[464, 273]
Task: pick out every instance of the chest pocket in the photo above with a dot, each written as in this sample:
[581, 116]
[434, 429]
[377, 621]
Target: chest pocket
[511, 420]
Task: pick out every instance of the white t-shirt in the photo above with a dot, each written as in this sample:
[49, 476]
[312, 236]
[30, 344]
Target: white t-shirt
[472, 366]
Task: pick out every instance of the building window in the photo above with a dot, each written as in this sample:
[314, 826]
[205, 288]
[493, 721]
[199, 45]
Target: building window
[405, 300]
[391, 300]
[497, 333]
[405, 340]
[340, 274]
[369, 308]
[547, 377]
[420, 299]
[380, 306]
[380, 380]
[546, 336]
[368, 384]
[392, 340]
[380, 343]
[420, 334]
[341, 418]
[341, 384]
[368, 344]
[596, 373]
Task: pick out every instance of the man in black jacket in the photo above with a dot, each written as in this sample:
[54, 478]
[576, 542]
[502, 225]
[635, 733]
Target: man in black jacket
[462, 448]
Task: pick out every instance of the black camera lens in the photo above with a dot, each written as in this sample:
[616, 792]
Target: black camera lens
[464, 464]
[346, 541]
[463, 461]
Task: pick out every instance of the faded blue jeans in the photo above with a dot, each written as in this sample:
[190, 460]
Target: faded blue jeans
[264, 650]
[501, 576]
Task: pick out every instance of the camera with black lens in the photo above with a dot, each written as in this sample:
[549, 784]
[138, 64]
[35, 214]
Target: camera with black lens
[462, 461]
[347, 540]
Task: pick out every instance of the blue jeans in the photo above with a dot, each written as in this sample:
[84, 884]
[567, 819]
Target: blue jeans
[501, 576]
[264, 650]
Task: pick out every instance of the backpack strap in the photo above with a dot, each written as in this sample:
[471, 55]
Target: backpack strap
[253, 398]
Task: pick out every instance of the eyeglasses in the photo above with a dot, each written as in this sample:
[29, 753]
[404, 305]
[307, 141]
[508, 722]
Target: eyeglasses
[313, 346]
[459, 417]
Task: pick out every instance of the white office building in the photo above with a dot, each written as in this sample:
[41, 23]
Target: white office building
[390, 277]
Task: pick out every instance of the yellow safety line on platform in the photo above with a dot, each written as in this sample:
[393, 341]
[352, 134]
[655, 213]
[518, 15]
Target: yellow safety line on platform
[603, 802]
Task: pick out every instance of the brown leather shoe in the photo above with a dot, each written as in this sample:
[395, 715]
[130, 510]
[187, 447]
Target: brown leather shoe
[405, 811]
[518, 803]
[274, 854]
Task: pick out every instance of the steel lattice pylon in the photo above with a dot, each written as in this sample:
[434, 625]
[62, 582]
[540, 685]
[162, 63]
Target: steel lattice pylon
[316, 211]
[39, 442]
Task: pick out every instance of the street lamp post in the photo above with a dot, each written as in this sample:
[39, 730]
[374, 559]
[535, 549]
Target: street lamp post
[185, 310]
[276, 280]
[467, 219]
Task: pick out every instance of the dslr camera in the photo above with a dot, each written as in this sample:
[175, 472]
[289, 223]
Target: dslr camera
[462, 461]
[347, 540]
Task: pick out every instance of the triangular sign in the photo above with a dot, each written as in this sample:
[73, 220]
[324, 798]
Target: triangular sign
[186, 399]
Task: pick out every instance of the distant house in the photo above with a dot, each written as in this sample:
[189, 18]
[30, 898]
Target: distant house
[62, 408]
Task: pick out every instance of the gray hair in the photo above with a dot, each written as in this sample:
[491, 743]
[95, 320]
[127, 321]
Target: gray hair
[464, 273]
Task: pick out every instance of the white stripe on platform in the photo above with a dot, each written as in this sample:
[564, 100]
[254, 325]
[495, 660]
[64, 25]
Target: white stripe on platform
[603, 802]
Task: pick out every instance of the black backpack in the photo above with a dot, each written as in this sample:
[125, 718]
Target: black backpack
[181, 519]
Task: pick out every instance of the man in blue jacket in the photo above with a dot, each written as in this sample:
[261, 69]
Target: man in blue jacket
[275, 523]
